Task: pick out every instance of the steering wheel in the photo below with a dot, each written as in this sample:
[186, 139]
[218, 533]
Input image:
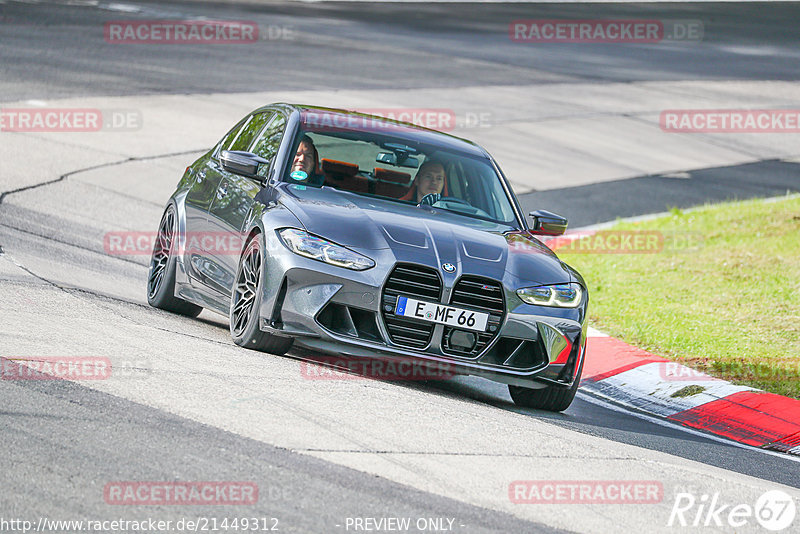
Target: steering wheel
[456, 200]
[432, 198]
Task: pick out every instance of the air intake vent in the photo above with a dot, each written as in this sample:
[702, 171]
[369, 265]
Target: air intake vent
[349, 321]
[477, 294]
[523, 354]
[416, 282]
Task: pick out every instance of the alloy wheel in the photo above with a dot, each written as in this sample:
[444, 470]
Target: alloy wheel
[161, 252]
[246, 288]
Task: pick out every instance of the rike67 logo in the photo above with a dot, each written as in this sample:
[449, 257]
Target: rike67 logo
[775, 510]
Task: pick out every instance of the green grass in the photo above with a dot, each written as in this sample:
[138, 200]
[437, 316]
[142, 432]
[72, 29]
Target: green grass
[726, 303]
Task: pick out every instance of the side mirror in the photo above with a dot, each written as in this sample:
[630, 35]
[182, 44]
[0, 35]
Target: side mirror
[241, 162]
[547, 223]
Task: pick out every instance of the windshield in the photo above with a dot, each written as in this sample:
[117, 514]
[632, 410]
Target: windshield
[401, 170]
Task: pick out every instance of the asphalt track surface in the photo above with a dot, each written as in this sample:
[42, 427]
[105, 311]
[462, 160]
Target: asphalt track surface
[62, 441]
[398, 45]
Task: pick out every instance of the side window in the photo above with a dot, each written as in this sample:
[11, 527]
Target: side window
[251, 128]
[269, 141]
[229, 137]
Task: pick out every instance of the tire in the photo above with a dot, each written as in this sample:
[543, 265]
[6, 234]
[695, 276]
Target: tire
[246, 301]
[551, 398]
[161, 274]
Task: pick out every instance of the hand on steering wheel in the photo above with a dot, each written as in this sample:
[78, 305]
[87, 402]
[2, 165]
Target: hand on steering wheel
[430, 199]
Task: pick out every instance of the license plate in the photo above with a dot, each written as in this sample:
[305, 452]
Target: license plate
[441, 313]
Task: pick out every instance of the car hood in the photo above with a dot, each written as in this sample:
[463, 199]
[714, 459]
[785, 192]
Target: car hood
[424, 235]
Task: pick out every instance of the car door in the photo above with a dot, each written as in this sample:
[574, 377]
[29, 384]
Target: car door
[234, 198]
[201, 232]
[206, 177]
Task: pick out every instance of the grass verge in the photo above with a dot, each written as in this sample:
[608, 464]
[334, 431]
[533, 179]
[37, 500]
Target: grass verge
[716, 288]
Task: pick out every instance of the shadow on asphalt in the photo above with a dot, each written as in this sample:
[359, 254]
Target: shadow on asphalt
[608, 201]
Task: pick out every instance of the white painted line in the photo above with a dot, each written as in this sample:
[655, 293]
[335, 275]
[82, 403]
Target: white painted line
[609, 404]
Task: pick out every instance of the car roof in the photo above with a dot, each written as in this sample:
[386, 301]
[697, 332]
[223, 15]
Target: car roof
[409, 130]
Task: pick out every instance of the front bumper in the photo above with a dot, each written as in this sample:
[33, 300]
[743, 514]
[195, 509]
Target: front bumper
[336, 311]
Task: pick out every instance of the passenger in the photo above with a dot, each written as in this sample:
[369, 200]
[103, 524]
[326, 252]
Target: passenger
[431, 178]
[307, 160]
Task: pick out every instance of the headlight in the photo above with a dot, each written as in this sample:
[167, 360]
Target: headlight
[559, 295]
[316, 248]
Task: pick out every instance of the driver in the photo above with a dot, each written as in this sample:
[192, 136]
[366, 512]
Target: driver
[305, 161]
[431, 178]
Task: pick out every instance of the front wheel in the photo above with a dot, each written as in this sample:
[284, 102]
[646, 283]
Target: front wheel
[552, 398]
[246, 303]
[161, 275]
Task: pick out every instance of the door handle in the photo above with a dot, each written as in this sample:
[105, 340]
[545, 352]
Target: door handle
[223, 190]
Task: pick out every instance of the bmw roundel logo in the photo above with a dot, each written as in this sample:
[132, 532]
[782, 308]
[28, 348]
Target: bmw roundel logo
[448, 267]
